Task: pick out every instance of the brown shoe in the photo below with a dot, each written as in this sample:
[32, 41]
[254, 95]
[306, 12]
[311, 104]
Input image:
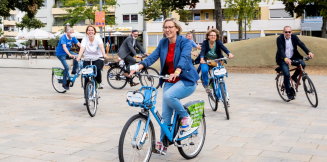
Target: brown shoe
[134, 84]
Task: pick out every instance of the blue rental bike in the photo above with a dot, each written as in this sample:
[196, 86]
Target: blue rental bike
[218, 85]
[137, 139]
[88, 83]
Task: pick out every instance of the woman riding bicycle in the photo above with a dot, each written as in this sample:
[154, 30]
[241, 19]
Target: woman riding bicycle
[174, 53]
[62, 52]
[93, 49]
[210, 50]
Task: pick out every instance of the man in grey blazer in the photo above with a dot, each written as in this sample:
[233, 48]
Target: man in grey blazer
[127, 52]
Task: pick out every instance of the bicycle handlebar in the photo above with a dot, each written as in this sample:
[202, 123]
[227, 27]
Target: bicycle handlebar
[166, 77]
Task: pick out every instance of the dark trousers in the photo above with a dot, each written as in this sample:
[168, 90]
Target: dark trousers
[286, 72]
[129, 60]
[99, 64]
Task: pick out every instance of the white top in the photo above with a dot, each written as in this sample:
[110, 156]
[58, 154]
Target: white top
[288, 48]
[92, 50]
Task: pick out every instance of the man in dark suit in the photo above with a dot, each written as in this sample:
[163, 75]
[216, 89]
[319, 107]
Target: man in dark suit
[127, 52]
[286, 52]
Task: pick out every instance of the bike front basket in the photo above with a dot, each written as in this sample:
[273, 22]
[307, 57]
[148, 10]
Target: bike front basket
[145, 97]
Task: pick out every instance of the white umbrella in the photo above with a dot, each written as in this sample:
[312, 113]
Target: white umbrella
[21, 35]
[75, 34]
[39, 34]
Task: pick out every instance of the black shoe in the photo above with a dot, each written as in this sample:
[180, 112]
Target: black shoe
[290, 97]
[65, 87]
[133, 84]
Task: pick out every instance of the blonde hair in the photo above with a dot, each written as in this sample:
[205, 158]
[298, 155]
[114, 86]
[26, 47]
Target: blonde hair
[212, 30]
[176, 23]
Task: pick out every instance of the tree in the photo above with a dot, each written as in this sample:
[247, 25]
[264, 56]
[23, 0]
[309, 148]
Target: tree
[29, 23]
[81, 10]
[154, 9]
[219, 17]
[308, 6]
[242, 10]
[29, 6]
[1, 32]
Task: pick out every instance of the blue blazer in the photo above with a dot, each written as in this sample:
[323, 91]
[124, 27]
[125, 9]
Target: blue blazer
[205, 49]
[182, 59]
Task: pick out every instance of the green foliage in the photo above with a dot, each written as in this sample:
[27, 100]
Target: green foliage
[53, 42]
[153, 9]
[81, 10]
[29, 23]
[1, 32]
[10, 40]
[29, 6]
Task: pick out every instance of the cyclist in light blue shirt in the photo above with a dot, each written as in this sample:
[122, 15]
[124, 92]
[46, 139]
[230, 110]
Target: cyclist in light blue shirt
[62, 52]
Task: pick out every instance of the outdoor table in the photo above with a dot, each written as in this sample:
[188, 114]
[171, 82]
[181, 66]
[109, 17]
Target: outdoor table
[9, 52]
[35, 53]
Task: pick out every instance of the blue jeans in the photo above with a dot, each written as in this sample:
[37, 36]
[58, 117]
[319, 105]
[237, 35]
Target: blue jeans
[172, 93]
[205, 74]
[66, 68]
[286, 72]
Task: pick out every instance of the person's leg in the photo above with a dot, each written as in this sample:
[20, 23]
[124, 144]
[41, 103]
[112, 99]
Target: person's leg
[285, 70]
[75, 64]
[204, 75]
[129, 60]
[66, 69]
[85, 63]
[297, 71]
[167, 112]
[99, 64]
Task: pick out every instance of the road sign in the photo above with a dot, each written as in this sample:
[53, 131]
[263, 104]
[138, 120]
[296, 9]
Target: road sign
[100, 18]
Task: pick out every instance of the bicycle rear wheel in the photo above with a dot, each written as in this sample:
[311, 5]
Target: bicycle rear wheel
[149, 81]
[212, 97]
[134, 143]
[57, 83]
[281, 87]
[191, 146]
[310, 91]
[224, 98]
[116, 78]
[91, 98]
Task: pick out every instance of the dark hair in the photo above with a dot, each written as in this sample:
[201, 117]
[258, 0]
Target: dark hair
[95, 31]
[133, 31]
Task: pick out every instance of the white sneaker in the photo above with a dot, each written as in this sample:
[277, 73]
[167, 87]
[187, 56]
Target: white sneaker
[186, 123]
[100, 86]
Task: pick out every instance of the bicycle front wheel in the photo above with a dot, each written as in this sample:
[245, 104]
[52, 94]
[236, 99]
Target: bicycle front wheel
[57, 83]
[91, 98]
[136, 144]
[281, 87]
[191, 146]
[116, 78]
[224, 98]
[310, 91]
[149, 81]
[212, 97]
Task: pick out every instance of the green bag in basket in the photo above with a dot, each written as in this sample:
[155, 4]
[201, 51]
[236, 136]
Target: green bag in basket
[58, 71]
[196, 111]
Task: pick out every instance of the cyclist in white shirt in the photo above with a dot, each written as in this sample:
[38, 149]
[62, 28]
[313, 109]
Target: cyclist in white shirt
[93, 49]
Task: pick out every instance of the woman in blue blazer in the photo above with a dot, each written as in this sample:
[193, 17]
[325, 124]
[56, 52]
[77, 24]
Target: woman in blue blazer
[175, 59]
[210, 50]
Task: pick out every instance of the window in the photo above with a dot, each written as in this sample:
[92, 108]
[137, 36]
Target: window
[134, 18]
[279, 13]
[196, 16]
[126, 18]
[153, 40]
[206, 16]
[160, 19]
[130, 18]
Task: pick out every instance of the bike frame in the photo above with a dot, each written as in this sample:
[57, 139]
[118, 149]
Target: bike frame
[168, 130]
[218, 79]
[75, 76]
[302, 73]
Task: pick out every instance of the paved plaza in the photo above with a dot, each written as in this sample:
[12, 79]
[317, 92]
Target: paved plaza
[39, 124]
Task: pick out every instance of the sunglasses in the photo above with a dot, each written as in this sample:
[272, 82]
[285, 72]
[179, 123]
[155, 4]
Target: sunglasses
[287, 31]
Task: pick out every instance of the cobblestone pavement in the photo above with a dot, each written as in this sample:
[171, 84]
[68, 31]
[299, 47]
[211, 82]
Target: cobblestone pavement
[39, 124]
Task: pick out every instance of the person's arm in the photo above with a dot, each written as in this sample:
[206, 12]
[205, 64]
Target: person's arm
[281, 51]
[186, 48]
[107, 48]
[202, 53]
[138, 45]
[224, 48]
[82, 49]
[302, 45]
[67, 51]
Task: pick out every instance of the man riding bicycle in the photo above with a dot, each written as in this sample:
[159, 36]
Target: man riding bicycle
[127, 52]
[287, 52]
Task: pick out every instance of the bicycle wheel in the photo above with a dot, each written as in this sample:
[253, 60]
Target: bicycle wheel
[224, 98]
[91, 98]
[116, 78]
[149, 81]
[281, 88]
[310, 91]
[135, 144]
[57, 83]
[191, 146]
[212, 97]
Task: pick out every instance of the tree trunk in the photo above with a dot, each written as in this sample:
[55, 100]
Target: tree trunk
[323, 28]
[219, 17]
[240, 33]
